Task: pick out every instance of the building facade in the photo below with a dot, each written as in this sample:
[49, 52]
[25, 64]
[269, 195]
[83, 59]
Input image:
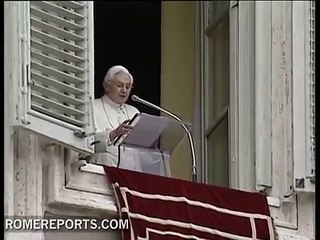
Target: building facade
[247, 74]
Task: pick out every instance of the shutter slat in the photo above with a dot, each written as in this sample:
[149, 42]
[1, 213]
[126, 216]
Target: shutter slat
[48, 103]
[56, 52]
[58, 116]
[56, 63]
[58, 31]
[57, 74]
[56, 41]
[62, 12]
[57, 95]
[54, 19]
[70, 4]
[56, 84]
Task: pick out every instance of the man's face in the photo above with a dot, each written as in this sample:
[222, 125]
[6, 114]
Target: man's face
[118, 90]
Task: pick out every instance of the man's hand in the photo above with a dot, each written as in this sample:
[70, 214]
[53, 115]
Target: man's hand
[123, 128]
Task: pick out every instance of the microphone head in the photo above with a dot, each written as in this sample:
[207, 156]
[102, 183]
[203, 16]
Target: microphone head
[134, 98]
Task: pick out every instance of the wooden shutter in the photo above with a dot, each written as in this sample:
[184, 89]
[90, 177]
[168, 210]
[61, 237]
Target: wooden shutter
[57, 76]
[304, 95]
[310, 164]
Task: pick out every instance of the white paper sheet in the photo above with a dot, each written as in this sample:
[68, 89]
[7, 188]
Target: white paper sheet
[146, 130]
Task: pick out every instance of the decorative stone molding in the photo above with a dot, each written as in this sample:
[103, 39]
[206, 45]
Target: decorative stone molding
[69, 188]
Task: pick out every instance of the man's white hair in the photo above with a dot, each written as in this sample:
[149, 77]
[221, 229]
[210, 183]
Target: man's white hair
[113, 71]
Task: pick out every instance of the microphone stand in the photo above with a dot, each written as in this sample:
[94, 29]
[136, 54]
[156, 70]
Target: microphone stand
[135, 98]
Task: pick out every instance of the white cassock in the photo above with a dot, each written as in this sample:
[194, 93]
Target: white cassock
[108, 115]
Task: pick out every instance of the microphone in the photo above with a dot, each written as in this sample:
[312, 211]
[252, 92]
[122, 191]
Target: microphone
[135, 98]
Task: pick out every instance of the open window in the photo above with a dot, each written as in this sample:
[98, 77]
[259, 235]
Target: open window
[49, 61]
[54, 86]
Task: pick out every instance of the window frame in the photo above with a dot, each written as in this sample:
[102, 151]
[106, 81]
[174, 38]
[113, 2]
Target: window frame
[232, 109]
[263, 100]
[241, 117]
[211, 21]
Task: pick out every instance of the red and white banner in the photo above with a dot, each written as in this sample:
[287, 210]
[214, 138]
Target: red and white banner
[167, 208]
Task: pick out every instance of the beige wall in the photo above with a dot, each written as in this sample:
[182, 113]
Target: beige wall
[178, 72]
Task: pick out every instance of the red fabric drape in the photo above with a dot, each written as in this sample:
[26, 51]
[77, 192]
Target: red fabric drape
[166, 208]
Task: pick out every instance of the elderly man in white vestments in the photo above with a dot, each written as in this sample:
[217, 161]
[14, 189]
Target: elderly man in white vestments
[111, 115]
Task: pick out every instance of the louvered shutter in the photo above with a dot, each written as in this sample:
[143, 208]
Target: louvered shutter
[304, 95]
[310, 164]
[57, 84]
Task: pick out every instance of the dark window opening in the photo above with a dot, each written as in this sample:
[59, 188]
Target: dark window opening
[129, 34]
